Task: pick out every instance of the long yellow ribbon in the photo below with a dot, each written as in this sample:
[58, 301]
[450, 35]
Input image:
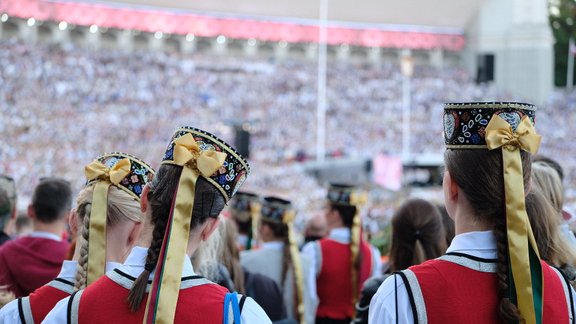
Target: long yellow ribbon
[98, 214]
[499, 134]
[195, 162]
[298, 277]
[255, 220]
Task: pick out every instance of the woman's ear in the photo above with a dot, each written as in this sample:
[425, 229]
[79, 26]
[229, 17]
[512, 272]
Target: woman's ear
[211, 226]
[73, 222]
[144, 199]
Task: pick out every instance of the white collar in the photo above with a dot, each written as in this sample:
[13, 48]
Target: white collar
[46, 235]
[69, 268]
[479, 244]
[272, 245]
[340, 234]
[135, 261]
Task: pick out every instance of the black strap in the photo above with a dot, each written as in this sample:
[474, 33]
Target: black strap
[410, 295]
[21, 311]
[396, 298]
[64, 281]
[242, 300]
[471, 257]
[69, 309]
[569, 287]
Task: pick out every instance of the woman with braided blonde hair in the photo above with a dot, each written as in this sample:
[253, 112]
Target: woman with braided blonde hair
[157, 283]
[492, 271]
[107, 220]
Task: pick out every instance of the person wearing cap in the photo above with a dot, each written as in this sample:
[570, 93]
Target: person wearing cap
[343, 260]
[280, 259]
[491, 272]
[31, 261]
[107, 218]
[7, 206]
[244, 210]
[157, 283]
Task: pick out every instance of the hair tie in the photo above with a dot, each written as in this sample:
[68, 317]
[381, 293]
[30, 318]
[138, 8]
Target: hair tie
[417, 235]
[149, 267]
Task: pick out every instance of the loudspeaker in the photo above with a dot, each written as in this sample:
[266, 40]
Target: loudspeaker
[242, 141]
[485, 68]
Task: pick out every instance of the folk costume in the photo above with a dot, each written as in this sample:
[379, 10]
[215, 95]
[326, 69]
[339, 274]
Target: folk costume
[462, 285]
[342, 261]
[298, 285]
[121, 170]
[175, 293]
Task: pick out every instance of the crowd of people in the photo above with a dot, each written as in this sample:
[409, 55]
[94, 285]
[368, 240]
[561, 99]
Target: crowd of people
[242, 246]
[75, 97]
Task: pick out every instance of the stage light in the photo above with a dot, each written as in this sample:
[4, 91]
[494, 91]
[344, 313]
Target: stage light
[221, 39]
[62, 25]
[252, 42]
[190, 37]
[4, 18]
[93, 29]
[31, 22]
[158, 35]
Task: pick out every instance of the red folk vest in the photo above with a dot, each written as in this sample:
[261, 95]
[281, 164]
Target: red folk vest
[105, 299]
[42, 300]
[333, 284]
[454, 293]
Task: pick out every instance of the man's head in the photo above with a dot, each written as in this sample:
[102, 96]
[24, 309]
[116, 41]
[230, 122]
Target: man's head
[7, 200]
[51, 201]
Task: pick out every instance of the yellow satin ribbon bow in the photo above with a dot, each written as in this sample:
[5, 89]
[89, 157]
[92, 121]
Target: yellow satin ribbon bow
[97, 170]
[358, 199]
[195, 162]
[98, 214]
[288, 217]
[187, 151]
[499, 133]
[521, 242]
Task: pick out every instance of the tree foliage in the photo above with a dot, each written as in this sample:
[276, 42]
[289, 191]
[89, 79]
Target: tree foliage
[562, 15]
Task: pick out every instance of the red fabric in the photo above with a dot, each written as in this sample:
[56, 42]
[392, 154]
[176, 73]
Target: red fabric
[28, 263]
[334, 286]
[456, 294]
[104, 299]
[43, 299]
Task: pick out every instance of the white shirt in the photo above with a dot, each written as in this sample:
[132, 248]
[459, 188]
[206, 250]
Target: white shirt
[46, 235]
[382, 307]
[342, 235]
[9, 314]
[133, 266]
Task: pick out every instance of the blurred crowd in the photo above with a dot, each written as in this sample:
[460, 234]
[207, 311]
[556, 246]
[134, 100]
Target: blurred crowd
[62, 105]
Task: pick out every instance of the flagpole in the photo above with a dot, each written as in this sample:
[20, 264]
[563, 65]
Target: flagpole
[321, 101]
[570, 70]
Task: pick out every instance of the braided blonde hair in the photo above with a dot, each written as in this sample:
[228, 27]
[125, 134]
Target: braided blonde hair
[122, 207]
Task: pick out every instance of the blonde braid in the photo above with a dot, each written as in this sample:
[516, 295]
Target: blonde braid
[82, 271]
[84, 202]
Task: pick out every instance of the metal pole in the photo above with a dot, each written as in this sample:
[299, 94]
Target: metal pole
[321, 101]
[570, 70]
[406, 117]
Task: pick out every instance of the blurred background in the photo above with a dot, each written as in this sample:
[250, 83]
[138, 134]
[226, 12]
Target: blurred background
[312, 91]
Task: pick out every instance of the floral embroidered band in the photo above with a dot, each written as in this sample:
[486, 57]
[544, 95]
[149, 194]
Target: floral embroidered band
[465, 123]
